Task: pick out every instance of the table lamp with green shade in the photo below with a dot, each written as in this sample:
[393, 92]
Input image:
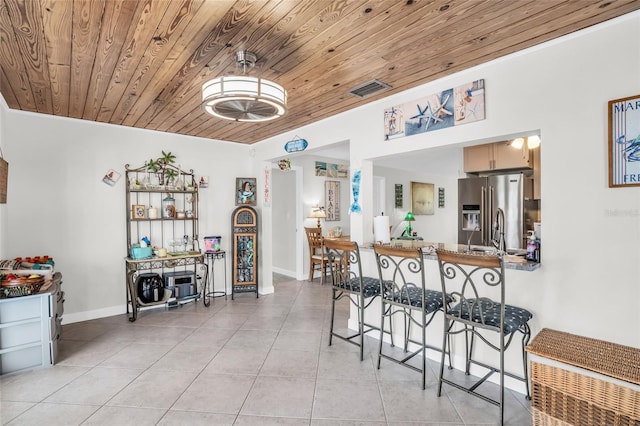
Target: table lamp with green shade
[408, 218]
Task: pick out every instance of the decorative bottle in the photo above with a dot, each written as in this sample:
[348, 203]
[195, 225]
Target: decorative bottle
[532, 247]
[169, 207]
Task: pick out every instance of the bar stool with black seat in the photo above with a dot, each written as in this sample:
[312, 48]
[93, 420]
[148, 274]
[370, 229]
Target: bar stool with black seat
[477, 282]
[347, 281]
[402, 274]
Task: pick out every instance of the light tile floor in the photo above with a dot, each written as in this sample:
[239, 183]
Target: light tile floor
[251, 361]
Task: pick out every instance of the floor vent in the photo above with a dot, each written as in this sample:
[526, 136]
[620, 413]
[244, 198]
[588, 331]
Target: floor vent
[369, 88]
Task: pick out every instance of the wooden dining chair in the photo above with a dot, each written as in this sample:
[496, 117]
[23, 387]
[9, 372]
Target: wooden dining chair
[317, 257]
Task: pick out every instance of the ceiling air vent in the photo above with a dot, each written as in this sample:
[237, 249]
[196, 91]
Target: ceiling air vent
[369, 88]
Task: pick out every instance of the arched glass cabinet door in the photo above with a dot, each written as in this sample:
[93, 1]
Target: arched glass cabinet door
[244, 235]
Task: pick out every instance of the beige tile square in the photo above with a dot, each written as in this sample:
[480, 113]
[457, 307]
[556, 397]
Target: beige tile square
[55, 414]
[216, 393]
[290, 364]
[154, 388]
[125, 416]
[196, 418]
[348, 400]
[280, 397]
[95, 387]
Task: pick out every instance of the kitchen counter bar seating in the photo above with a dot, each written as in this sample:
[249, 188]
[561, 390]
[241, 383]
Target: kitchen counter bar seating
[402, 274]
[470, 278]
[347, 281]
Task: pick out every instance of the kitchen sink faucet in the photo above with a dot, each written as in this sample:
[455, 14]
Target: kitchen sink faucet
[477, 228]
[498, 230]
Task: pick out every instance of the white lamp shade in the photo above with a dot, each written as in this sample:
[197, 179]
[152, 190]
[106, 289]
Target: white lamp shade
[317, 214]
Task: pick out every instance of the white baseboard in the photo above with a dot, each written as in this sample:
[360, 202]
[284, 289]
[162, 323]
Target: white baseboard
[266, 290]
[119, 310]
[95, 314]
[286, 272]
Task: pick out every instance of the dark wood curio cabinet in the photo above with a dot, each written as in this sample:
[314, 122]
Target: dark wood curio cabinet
[244, 236]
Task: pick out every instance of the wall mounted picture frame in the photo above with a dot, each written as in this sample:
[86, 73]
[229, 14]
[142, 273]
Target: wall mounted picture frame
[332, 200]
[138, 211]
[624, 142]
[421, 198]
[398, 189]
[330, 170]
[245, 191]
[451, 107]
[111, 177]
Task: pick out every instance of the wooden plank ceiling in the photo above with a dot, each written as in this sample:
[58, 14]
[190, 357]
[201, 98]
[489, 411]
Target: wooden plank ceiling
[142, 63]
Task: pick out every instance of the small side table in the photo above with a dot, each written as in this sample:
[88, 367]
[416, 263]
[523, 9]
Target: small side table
[211, 258]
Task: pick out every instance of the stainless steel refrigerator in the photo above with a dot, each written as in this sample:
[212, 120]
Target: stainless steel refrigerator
[479, 199]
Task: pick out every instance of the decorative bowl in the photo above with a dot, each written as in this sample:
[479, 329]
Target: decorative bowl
[20, 285]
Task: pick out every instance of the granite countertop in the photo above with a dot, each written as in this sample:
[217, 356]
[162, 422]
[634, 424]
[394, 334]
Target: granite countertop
[511, 261]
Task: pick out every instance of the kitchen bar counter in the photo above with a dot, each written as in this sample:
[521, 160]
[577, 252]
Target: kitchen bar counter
[512, 261]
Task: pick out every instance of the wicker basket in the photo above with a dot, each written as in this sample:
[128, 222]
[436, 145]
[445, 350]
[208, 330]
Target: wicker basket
[562, 397]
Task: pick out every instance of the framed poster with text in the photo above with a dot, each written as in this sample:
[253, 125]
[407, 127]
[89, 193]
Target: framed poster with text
[332, 200]
[624, 142]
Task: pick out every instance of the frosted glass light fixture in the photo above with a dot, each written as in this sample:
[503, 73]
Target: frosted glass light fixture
[242, 97]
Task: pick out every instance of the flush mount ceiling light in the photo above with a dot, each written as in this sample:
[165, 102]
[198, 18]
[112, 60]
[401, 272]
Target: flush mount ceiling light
[244, 98]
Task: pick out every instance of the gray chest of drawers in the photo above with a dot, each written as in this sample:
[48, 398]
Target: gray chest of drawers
[30, 327]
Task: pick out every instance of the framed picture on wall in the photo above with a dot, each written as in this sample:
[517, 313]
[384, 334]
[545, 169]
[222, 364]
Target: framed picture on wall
[332, 200]
[624, 142]
[421, 198]
[398, 195]
[245, 191]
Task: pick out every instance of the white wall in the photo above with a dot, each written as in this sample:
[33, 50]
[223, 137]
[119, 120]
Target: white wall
[313, 194]
[442, 225]
[3, 207]
[283, 192]
[588, 283]
[58, 205]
